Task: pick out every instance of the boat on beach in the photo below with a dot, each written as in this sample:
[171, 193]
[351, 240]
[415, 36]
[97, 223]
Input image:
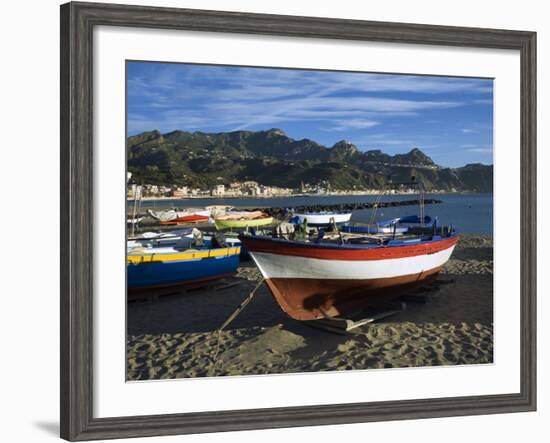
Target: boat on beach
[323, 218]
[190, 218]
[172, 238]
[167, 261]
[312, 279]
[173, 216]
[242, 220]
[218, 209]
[397, 226]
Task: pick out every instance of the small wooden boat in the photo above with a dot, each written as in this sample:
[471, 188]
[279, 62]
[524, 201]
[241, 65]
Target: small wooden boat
[190, 218]
[167, 266]
[218, 209]
[151, 239]
[327, 277]
[242, 224]
[175, 215]
[242, 220]
[184, 238]
[240, 215]
[395, 226]
[323, 218]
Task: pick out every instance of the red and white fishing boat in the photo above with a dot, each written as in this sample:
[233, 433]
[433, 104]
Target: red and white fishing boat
[173, 216]
[189, 218]
[312, 279]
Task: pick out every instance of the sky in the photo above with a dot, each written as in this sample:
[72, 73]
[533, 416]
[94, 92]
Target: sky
[449, 118]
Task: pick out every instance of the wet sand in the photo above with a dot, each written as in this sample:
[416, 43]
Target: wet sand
[172, 336]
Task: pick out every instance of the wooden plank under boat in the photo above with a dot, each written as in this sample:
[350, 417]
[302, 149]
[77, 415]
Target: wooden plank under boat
[312, 280]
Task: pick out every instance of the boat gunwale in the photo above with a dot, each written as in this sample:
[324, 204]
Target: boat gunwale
[360, 247]
[323, 213]
[138, 257]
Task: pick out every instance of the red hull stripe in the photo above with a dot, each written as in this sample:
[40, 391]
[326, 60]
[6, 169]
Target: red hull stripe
[342, 253]
[186, 219]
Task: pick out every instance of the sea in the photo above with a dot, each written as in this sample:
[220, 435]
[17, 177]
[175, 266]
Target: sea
[468, 213]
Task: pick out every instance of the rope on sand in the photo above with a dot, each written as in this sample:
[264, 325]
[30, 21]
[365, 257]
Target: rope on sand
[232, 317]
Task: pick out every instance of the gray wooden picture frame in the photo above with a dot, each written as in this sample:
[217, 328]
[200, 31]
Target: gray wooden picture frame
[77, 218]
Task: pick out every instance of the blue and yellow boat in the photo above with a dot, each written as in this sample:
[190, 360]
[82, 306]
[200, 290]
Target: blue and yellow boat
[167, 266]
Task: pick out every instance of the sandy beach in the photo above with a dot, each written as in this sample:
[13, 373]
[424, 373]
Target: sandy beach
[451, 324]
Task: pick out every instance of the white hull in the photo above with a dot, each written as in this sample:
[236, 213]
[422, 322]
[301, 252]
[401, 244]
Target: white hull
[279, 266]
[324, 219]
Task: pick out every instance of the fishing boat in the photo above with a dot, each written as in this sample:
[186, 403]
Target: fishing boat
[327, 272]
[322, 218]
[171, 238]
[189, 261]
[218, 209]
[316, 278]
[175, 216]
[242, 220]
[396, 226]
[190, 218]
[151, 239]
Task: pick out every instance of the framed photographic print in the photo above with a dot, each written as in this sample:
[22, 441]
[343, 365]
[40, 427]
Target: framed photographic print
[273, 221]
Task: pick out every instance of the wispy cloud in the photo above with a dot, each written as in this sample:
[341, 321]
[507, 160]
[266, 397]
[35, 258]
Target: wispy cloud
[372, 110]
[249, 98]
[481, 150]
[345, 125]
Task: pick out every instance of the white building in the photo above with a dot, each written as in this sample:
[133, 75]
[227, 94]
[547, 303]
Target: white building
[218, 190]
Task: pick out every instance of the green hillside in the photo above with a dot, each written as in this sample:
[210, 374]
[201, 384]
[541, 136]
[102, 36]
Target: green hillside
[272, 158]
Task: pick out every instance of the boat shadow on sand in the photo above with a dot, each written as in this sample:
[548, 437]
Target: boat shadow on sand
[170, 337]
[204, 310]
[461, 294]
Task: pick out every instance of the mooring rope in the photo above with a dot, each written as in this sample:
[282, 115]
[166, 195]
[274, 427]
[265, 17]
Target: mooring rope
[232, 317]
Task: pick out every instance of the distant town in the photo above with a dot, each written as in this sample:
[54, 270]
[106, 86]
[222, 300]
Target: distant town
[250, 189]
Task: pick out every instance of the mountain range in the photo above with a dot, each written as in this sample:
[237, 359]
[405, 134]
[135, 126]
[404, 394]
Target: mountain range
[271, 158]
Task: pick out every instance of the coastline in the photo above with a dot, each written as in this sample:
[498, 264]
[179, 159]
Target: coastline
[267, 197]
[172, 337]
[472, 213]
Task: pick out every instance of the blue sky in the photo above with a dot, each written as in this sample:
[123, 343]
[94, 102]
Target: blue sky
[449, 118]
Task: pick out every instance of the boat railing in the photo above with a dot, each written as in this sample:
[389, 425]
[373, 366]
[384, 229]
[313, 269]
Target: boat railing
[385, 190]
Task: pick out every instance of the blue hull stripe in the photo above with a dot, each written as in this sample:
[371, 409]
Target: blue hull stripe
[157, 273]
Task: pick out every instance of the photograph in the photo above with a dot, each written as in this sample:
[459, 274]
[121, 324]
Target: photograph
[284, 220]
[290, 221]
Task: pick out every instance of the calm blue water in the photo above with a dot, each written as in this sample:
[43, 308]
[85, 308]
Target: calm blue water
[469, 213]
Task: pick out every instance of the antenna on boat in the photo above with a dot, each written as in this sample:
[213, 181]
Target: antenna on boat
[411, 182]
[421, 198]
[375, 205]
